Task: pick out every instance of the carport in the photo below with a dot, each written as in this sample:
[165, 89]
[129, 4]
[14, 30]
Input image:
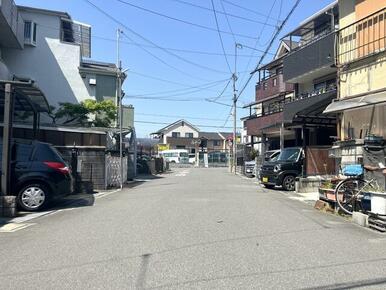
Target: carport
[22, 97]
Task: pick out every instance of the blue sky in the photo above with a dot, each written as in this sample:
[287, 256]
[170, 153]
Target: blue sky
[183, 80]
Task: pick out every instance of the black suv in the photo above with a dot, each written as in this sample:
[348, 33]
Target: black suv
[284, 169]
[38, 174]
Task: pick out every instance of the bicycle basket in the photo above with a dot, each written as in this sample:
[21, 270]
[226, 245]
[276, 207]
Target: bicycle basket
[352, 170]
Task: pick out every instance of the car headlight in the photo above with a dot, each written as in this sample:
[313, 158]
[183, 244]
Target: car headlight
[277, 168]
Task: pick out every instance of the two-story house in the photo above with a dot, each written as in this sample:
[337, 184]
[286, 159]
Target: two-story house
[184, 135]
[54, 51]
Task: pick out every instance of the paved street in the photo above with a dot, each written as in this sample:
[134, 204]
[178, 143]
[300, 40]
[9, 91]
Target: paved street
[192, 229]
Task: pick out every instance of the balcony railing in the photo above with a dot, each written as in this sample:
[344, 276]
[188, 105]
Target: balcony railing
[313, 93]
[363, 38]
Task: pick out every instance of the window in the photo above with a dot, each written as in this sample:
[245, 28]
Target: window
[188, 135]
[274, 82]
[265, 86]
[77, 33]
[30, 32]
[21, 152]
[176, 134]
[216, 142]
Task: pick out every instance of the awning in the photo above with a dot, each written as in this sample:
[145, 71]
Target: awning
[357, 102]
[27, 97]
[311, 107]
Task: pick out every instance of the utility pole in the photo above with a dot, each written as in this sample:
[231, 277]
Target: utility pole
[234, 79]
[120, 109]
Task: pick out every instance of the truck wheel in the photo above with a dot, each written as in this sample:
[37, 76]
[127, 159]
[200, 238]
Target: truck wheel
[289, 183]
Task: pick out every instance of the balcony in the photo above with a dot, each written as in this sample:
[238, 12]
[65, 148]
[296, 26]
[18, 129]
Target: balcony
[271, 86]
[11, 25]
[254, 126]
[310, 61]
[363, 38]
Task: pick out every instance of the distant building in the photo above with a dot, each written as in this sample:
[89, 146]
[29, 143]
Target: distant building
[184, 135]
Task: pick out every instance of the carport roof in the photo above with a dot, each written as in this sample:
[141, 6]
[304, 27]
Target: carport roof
[27, 97]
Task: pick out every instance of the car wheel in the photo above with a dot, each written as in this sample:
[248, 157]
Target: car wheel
[33, 197]
[270, 186]
[289, 183]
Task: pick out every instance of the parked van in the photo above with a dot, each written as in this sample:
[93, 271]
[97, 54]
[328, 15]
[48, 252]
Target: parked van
[283, 169]
[175, 156]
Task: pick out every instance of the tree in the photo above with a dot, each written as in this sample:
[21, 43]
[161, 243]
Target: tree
[88, 113]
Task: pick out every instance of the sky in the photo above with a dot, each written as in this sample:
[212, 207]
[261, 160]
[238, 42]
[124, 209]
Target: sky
[175, 55]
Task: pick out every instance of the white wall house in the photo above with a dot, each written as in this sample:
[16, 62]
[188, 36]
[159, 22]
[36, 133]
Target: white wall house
[179, 129]
[53, 48]
[55, 55]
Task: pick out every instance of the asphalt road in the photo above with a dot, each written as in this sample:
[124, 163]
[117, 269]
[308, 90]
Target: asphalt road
[193, 229]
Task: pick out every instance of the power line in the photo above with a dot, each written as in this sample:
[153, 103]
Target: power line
[269, 46]
[219, 12]
[219, 35]
[181, 20]
[186, 60]
[201, 52]
[249, 10]
[172, 49]
[222, 92]
[258, 39]
[197, 125]
[229, 24]
[178, 116]
[145, 39]
[183, 91]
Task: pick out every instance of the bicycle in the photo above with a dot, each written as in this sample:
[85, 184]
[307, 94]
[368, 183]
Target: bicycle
[349, 193]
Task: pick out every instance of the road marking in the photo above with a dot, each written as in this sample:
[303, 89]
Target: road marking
[13, 227]
[182, 173]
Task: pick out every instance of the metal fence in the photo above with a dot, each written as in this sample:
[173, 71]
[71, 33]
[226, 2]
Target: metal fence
[362, 38]
[113, 173]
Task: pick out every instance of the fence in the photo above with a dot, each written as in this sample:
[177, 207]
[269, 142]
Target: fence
[362, 38]
[113, 172]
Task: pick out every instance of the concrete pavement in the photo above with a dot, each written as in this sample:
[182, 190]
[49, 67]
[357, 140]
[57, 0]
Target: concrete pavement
[194, 228]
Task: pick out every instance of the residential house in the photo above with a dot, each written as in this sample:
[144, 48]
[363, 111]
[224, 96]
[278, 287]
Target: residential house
[11, 33]
[63, 45]
[184, 135]
[310, 68]
[265, 120]
[361, 60]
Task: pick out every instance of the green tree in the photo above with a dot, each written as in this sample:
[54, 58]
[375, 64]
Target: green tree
[88, 113]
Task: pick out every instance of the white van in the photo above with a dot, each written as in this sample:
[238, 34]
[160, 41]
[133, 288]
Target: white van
[175, 155]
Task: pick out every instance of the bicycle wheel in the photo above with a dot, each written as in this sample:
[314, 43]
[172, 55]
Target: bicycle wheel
[348, 194]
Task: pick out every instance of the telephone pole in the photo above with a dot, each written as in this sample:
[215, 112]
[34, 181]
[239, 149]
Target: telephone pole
[234, 79]
[120, 109]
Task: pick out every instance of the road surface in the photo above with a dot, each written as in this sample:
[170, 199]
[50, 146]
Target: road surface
[192, 229]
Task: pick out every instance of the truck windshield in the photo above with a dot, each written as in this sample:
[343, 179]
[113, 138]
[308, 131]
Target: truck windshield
[184, 154]
[290, 154]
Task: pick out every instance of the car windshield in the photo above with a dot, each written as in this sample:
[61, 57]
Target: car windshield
[184, 154]
[290, 154]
